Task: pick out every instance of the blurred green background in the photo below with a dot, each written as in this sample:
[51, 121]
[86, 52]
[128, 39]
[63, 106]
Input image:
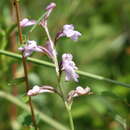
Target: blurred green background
[103, 49]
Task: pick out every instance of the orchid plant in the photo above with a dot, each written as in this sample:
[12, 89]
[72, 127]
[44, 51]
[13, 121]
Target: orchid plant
[67, 65]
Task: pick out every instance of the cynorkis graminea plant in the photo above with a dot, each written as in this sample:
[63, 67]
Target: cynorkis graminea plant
[66, 66]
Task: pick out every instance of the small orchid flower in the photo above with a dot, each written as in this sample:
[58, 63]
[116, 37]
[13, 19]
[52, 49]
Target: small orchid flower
[79, 91]
[26, 22]
[30, 47]
[37, 90]
[69, 67]
[68, 31]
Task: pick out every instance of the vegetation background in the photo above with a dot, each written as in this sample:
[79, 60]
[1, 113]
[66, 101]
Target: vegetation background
[103, 49]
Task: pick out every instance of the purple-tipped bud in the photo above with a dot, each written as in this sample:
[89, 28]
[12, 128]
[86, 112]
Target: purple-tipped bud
[51, 6]
[69, 67]
[26, 22]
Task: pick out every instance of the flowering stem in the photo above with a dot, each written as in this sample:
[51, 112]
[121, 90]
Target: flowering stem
[59, 78]
[16, 4]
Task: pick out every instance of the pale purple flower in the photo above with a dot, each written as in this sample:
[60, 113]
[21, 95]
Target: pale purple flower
[69, 67]
[79, 91]
[26, 22]
[30, 47]
[37, 90]
[68, 31]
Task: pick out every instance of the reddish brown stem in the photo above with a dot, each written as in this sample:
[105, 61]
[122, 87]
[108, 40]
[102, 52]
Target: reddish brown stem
[16, 4]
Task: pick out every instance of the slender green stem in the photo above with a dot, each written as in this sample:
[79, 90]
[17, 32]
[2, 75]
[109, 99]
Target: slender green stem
[16, 3]
[54, 51]
[48, 64]
[70, 116]
[67, 106]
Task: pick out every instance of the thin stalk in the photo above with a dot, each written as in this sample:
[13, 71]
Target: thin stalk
[67, 106]
[54, 51]
[59, 78]
[70, 116]
[16, 4]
